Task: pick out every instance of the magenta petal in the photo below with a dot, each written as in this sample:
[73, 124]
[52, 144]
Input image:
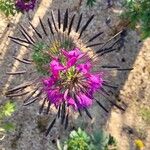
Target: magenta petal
[46, 82]
[94, 78]
[84, 68]
[65, 53]
[49, 81]
[95, 81]
[56, 64]
[75, 53]
[84, 101]
[54, 96]
[66, 94]
[71, 62]
[56, 67]
[72, 103]
[58, 84]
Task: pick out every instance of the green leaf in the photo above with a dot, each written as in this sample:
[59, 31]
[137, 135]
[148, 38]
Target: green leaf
[8, 7]
[73, 134]
[138, 13]
[41, 58]
[101, 137]
[78, 140]
[90, 3]
[8, 127]
[112, 140]
[8, 109]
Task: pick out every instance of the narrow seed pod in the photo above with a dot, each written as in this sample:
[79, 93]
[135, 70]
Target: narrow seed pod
[39, 35]
[66, 121]
[85, 26]
[50, 127]
[42, 25]
[79, 23]
[71, 23]
[102, 106]
[42, 106]
[88, 114]
[95, 36]
[65, 21]
[59, 19]
[48, 107]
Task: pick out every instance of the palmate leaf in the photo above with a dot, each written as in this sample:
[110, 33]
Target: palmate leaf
[90, 3]
[78, 140]
[7, 109]
[80, 133]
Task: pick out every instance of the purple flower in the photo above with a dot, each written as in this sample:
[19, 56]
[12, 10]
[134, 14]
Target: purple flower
[74, 53]
[56, 67]
[25, 5]
[84, 67]
[71, 81]
[55, 96]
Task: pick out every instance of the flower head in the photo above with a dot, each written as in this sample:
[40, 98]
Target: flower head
[72, 82]
[25, 5]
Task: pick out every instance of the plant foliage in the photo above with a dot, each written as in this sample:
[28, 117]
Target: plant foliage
[103, 141]
[80, 140]
[40, 58]
[137, 12]
[41, 54]
[145, 113]
[91, 3]
[6, 111]
[8, 7]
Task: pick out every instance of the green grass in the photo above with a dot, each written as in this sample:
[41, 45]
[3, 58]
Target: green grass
[6, 110]
[145, 114]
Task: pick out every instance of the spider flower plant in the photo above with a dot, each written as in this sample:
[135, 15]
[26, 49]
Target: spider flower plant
[64, 63]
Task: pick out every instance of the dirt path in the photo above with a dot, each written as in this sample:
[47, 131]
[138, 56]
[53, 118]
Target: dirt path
[134, 86]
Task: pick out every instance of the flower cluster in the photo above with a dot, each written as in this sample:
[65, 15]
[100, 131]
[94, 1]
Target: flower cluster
[72, 81]
[25, 5]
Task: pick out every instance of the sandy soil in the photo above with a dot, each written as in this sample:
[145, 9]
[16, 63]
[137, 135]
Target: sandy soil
[134, 86]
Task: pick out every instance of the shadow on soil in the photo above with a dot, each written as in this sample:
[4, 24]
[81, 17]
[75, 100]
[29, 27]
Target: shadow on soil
[125, 58]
